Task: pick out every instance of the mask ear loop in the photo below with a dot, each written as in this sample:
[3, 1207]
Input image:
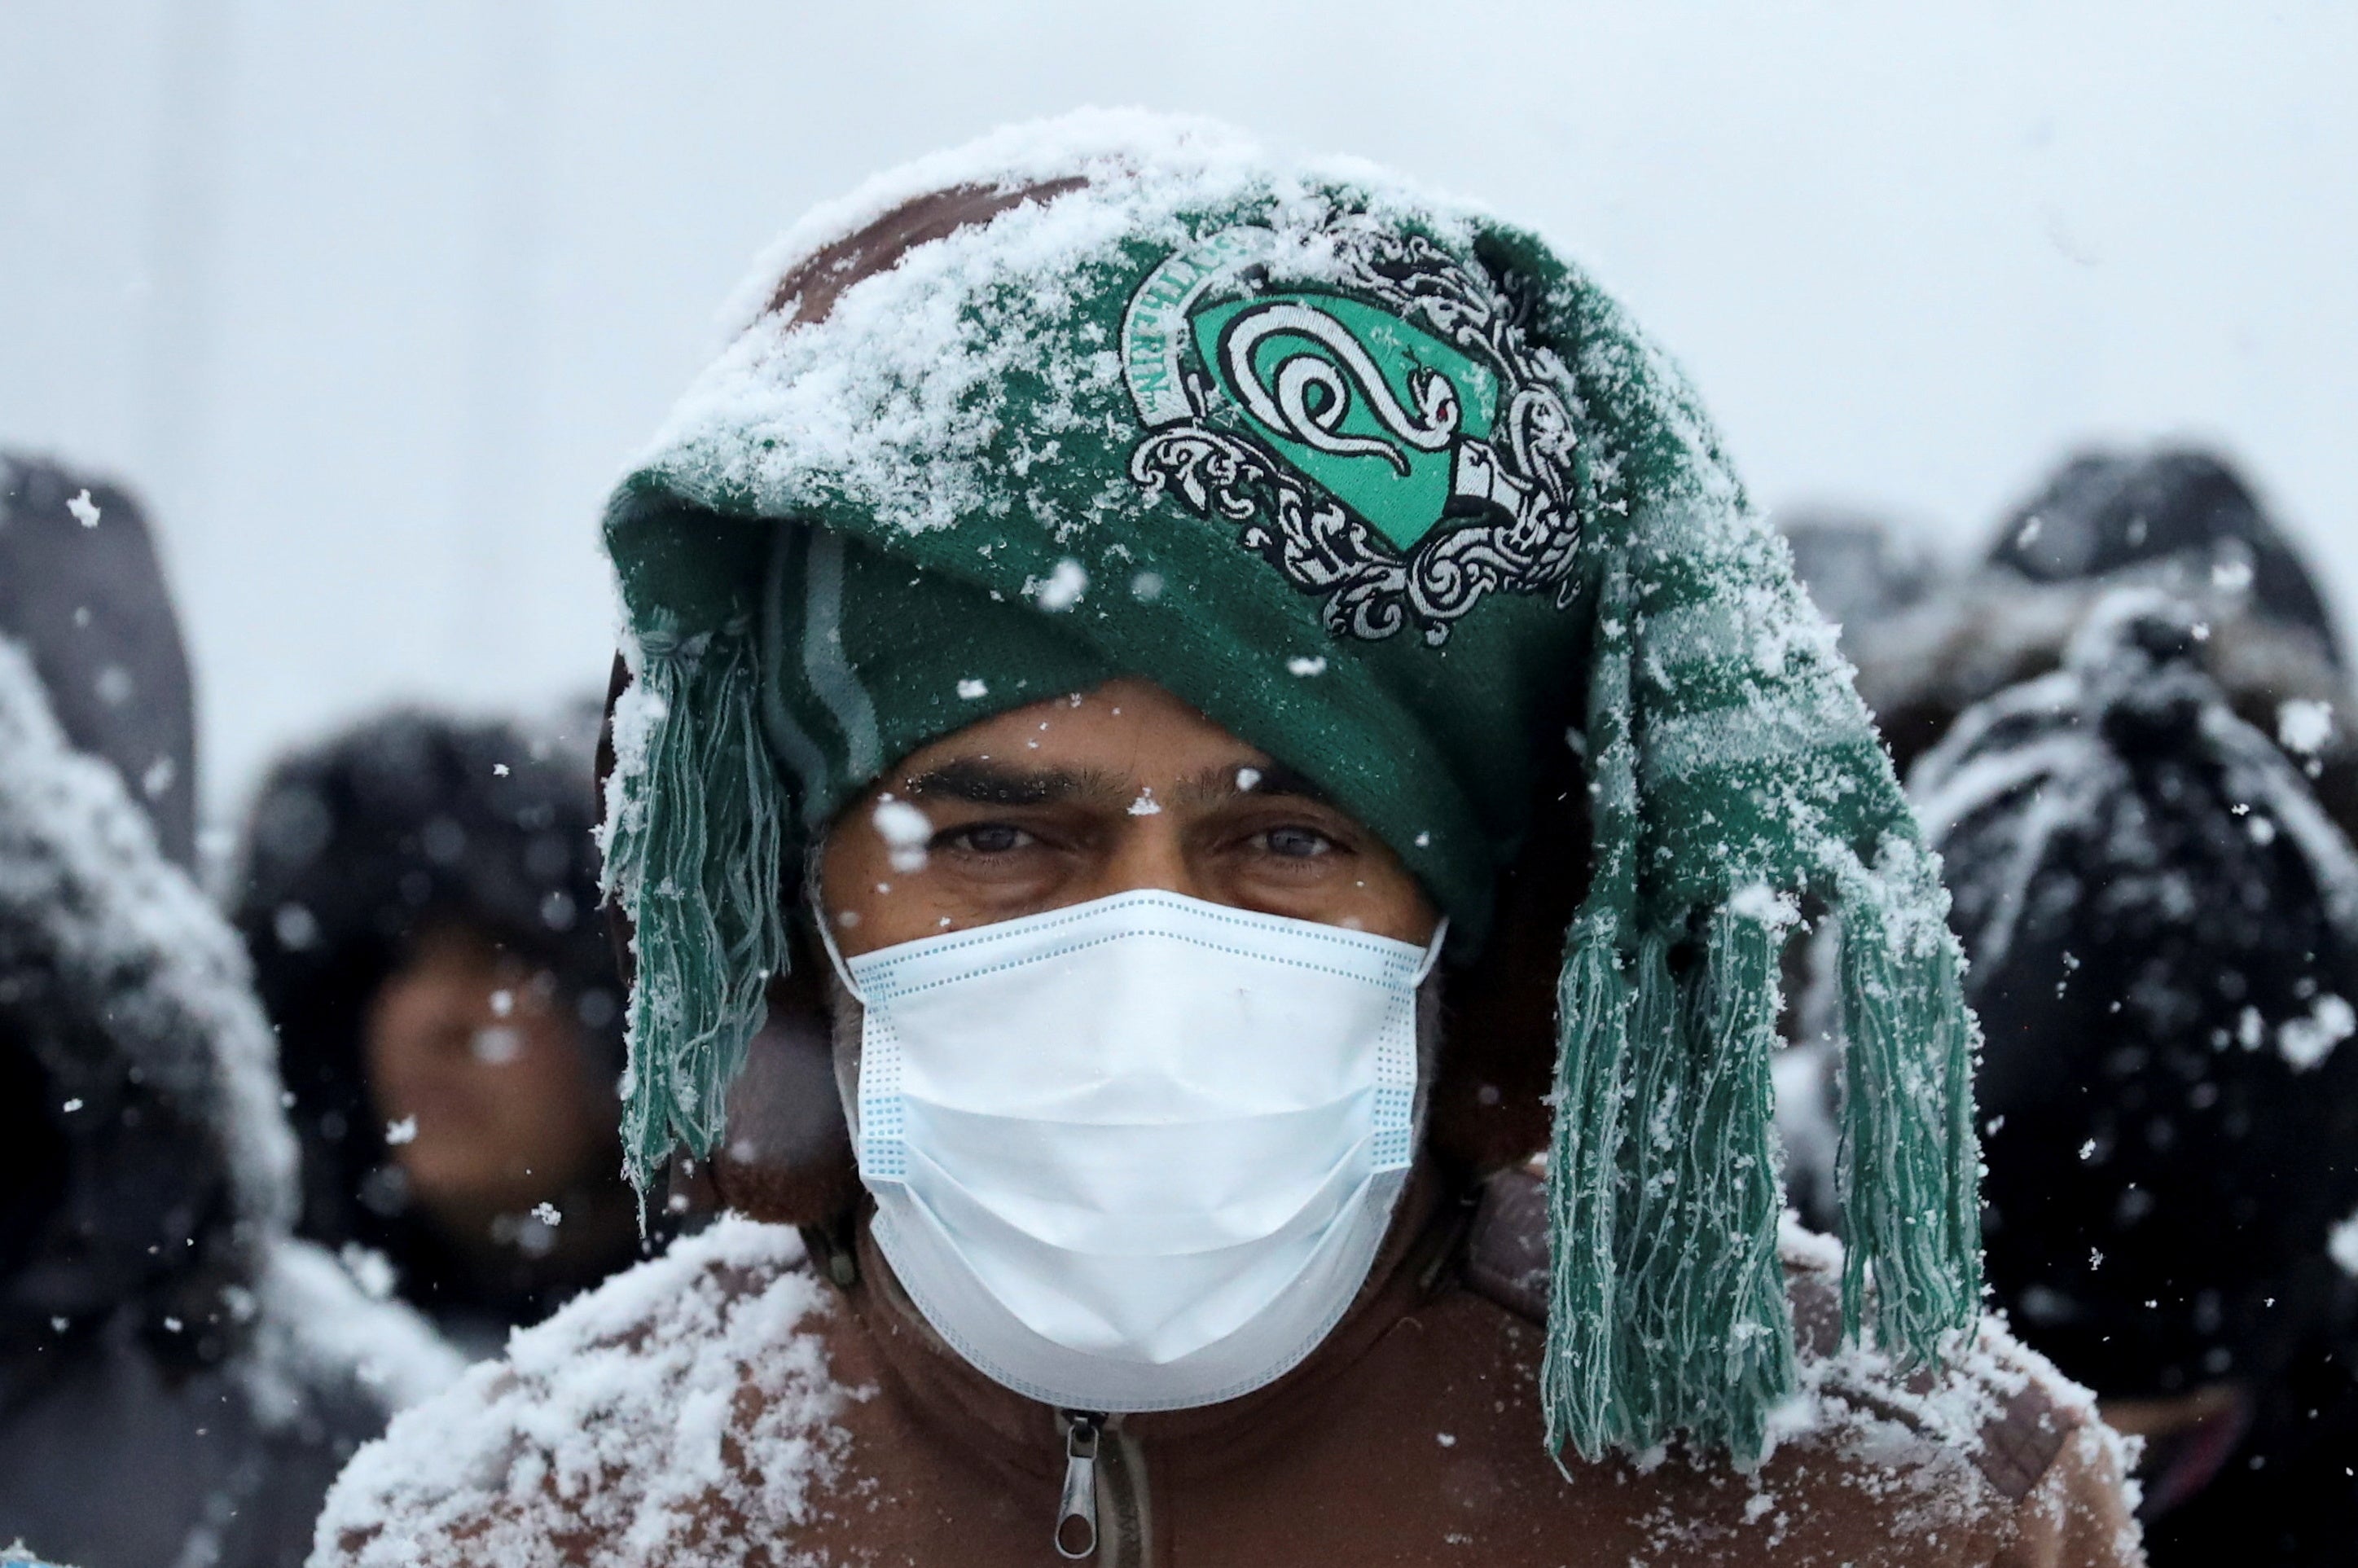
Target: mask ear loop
[847, 1075]
[817, 907]
[1426, 1054]
[834, 953]
[1431, 954]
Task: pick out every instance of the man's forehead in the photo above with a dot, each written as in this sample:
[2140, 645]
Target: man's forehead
[986, 780]
[1105, 745]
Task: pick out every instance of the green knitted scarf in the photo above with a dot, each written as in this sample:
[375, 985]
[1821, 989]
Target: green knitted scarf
[1388, 490]
[1734, 777]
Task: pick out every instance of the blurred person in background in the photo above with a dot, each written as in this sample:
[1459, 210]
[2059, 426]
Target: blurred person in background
[2163, 932]
[2139, 776]
[2173, 518]
[421, 896]
[1860, 571]
[180, 1379]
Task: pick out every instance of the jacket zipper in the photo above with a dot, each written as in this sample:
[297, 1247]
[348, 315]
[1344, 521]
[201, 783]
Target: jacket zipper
[1105, 1473]
[1075, 1535]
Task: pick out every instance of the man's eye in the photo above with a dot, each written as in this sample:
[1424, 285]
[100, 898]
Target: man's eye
[986, 839]
[1296, 843]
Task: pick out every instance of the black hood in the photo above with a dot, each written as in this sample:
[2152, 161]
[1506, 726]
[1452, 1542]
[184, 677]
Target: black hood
[2181, 519]
[1929, 646]
[146, 1154]
[87, 599]
[2163, 928]
[352, 849]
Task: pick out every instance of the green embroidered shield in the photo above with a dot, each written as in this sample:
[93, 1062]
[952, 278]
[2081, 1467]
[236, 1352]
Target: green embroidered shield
[1339, 422]
[1364, 405]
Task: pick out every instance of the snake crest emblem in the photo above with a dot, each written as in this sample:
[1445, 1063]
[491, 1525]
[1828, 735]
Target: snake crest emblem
[1384, 435]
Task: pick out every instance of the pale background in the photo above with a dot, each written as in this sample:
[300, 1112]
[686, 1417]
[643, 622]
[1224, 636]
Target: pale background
[372, 301]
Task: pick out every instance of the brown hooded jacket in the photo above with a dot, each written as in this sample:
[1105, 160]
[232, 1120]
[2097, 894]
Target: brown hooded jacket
[731, 1405]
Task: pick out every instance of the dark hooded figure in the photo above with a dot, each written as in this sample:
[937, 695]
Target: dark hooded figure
[2163, 932]
[2141, 783]
[2179, 521]
[420, 896]
[2182, 518]
[180, 1379]
[80, 590]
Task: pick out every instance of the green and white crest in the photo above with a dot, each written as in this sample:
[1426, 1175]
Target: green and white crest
[1383, 437]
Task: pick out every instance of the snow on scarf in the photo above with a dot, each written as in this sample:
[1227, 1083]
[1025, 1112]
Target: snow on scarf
[1734, 777]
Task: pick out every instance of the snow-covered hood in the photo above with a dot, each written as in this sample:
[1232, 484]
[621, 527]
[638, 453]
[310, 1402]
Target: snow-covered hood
[178, 1376]
[147, 1098]
[2163, 925]
[2182, 515]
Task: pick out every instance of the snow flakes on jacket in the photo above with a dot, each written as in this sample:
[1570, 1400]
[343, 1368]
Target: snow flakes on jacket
[610, 1429]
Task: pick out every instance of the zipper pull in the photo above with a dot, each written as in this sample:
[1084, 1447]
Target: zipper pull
[1076, 1511]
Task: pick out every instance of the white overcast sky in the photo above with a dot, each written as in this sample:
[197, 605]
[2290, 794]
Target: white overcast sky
[372, 301]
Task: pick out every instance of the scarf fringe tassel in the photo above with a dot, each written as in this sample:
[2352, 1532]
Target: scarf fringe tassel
[1668, 1311]
[694, 861]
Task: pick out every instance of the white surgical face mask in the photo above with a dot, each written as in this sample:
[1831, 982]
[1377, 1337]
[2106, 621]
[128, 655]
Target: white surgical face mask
[1139, 1153]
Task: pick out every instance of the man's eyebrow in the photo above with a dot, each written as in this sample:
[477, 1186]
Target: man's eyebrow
[981, 780]
[1216, 785]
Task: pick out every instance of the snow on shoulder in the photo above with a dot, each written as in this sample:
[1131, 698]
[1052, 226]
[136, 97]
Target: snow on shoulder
[1993, 1405]
[126, 937]
[661, 1419]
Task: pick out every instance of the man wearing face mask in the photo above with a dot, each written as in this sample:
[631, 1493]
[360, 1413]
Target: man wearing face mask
[1234, 706]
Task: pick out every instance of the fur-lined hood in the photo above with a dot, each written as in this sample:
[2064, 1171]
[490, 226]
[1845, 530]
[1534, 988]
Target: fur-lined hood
[1930, 643]
[1923, 666]
[408, 819]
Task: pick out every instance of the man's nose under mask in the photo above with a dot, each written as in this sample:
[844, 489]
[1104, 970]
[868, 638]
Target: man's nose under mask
[1138, 1153]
